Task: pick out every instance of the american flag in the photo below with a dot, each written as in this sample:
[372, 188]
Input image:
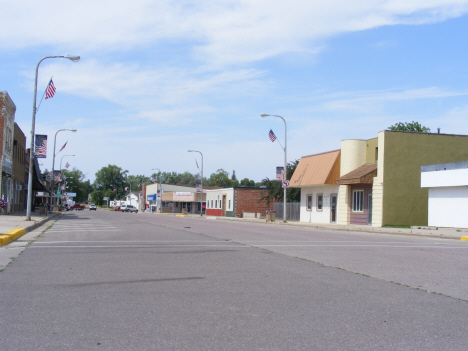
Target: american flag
[67, 165]
[196, 163]
[63, 147]
[272, 136]
[153, 179]
[138, 184]
[50, 90]
[126, 188]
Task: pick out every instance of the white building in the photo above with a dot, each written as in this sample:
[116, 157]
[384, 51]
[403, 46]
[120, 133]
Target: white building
[316, 176]
[133, 199]
[448, 194]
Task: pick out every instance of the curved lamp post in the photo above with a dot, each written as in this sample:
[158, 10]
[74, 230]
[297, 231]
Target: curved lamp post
[31, 149]
[201, 187]
[160, 189]
[285, 165]
[53, 161]
[60, 182]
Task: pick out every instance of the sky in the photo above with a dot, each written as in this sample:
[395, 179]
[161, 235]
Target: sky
[158, 78]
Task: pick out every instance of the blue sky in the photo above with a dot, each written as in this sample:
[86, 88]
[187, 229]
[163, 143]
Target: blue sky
[156, 79]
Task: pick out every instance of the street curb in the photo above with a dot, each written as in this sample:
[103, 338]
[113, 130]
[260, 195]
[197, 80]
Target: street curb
[7, 238]
[364, 229]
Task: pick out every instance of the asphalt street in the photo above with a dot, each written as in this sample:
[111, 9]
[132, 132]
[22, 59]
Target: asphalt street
[120, 281]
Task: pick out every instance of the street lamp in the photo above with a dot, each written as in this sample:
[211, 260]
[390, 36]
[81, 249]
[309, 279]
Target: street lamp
[60, 182]
[201, 187]
[62, 159]
[160, 189]
[31, 149]
[285, 162]
[53, 161]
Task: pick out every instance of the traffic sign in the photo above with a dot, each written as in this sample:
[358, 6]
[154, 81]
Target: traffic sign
[285, 183]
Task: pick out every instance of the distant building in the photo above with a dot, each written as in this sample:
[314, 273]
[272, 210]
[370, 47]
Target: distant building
[235, 202]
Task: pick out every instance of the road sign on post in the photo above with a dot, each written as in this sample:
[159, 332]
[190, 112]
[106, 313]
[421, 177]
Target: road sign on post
[285, 183]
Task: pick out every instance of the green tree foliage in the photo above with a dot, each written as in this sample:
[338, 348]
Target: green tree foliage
[247, 182]
[75, 183]
[410, 127]
[110, 177]
[175, 178]
[275, 189]
[221, 179]
[134, 180]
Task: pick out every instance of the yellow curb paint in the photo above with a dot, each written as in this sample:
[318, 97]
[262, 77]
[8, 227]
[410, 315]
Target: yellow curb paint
[464, 238]
[180, 215]
[11, 236]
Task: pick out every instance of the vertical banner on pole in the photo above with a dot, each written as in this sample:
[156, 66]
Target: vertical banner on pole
[279, 174]
[40, 146]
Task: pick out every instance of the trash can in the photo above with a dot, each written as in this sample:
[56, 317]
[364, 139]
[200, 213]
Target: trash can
[42, 210]
[184, 211]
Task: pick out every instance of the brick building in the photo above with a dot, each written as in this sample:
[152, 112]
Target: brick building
[235, 202]
[7, 120]
[19, 170]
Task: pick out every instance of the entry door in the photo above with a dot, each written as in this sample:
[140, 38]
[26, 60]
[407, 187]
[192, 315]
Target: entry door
[333, 208]
[224, 205]
[369, 209]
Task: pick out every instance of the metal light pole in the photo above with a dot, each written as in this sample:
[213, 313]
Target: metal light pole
[201, 197]
[31, 150]
[285, 162]
[60, 182]
[160, 189]
[53, 163]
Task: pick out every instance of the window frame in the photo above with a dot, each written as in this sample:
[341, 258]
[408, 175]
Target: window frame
[317, 208]
[311, 197]
[354, 208]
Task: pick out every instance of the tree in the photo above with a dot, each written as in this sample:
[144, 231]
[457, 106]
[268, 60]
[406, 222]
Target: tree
[410, 127]
[110, 177]
[221, 179]
[75, 183]
[247, 182]
[275, 191]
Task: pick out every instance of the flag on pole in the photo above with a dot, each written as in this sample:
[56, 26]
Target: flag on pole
[138, 184]
[50, 90]
[196, 163]
[272, 136]
[153, 179]
[67, 165]
[63, 147]
[126, 188]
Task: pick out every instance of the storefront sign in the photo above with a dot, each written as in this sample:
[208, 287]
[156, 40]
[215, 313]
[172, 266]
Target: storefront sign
[151, 197]
[183, 194]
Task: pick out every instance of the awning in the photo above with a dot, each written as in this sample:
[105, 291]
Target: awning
[362, 175]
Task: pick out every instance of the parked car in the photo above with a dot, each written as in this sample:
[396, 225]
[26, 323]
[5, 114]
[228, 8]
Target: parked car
[117, 208]
[131, 208]
[123, 208]
[77, 207]
[92, 207]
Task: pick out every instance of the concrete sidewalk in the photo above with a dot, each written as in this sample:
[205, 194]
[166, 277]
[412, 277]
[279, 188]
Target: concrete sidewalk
[14, 225]
[437, 232]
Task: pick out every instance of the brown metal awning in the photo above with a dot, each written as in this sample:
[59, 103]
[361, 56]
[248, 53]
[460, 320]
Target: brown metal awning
[362, 175]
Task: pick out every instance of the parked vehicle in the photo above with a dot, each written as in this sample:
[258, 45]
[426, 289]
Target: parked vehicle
[123, 208]
[131, 208]
[77, 207]
[92, 207]
[117, 208]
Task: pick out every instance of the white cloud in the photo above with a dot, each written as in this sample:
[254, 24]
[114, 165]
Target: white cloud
[223, 33]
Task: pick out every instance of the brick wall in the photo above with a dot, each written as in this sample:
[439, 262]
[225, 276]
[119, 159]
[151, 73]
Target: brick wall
[248, 200]
[19, 163]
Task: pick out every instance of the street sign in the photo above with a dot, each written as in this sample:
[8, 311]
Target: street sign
[285, 183]
[71, 194]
